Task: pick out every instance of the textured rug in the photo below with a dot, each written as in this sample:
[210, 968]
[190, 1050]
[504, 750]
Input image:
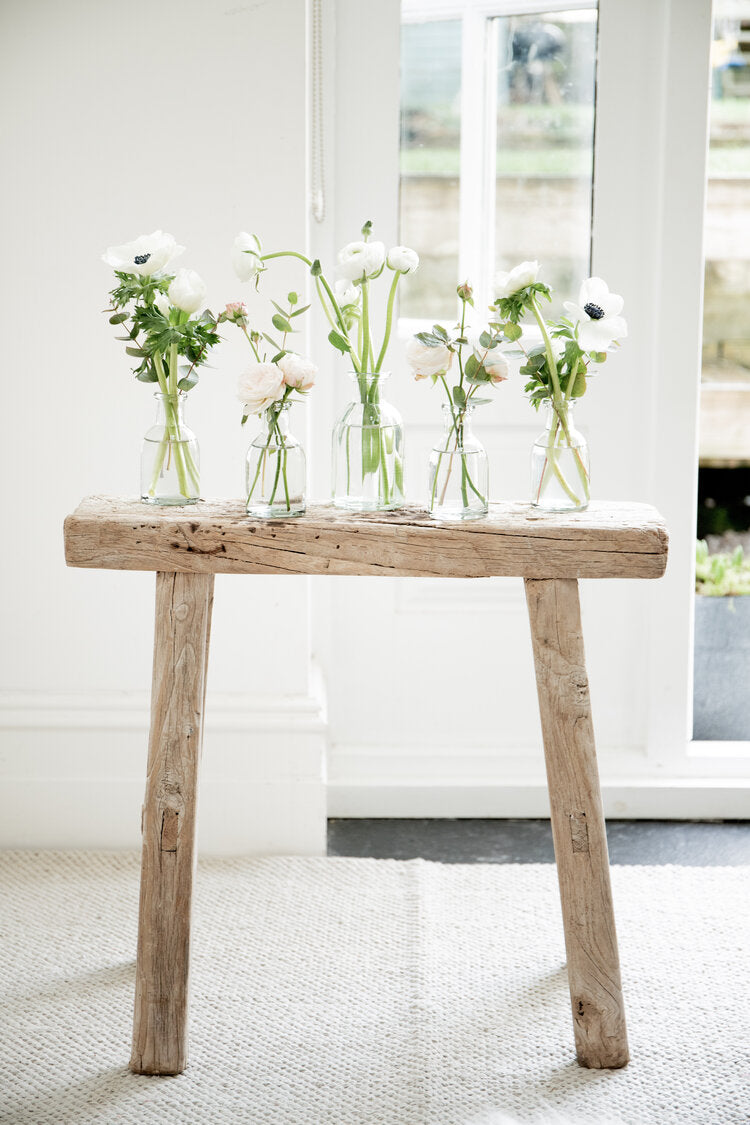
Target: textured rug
[371, 992]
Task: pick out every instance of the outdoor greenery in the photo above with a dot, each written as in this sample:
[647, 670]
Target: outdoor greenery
[721, 576]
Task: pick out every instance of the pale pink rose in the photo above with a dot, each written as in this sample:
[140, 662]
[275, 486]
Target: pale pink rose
[259, 386]
[298, 372]
[235, 312]
[425, 360]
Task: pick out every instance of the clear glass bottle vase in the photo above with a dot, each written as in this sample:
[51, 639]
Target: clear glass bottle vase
[368, 450]
[275, 469]
[459, 471]
[560, 477]
[170, 457]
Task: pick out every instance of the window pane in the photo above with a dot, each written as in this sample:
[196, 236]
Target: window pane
[545, 144]
[430, 144]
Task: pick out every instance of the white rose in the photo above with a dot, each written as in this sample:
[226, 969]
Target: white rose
[147, 255]
[425, 361]
[361, 259]
[403, 259]
[259, 386]
[187, 291]
[346, 293]
[298, 372]
[246, 260]
[494, 363]
[597, 315]
[506, 284]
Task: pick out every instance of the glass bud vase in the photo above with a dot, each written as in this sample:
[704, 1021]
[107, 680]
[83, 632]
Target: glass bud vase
[275, 469]
[368, 450]
[560, 463]
[459, 473]
[170, 458]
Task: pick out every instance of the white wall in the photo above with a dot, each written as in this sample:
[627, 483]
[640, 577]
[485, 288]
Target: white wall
[187, 115]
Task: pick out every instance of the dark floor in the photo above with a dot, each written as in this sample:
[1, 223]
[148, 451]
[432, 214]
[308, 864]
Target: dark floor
[704, 844]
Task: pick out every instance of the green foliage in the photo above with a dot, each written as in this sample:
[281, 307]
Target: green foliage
[152, 336]
[339, 342]
[514, 307]
[724, 575]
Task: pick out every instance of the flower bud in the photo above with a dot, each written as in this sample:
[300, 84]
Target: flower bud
[465, 291]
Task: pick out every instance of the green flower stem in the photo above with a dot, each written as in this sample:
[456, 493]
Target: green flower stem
[249, 339]
[366, 345]
[388, 320]
[261, 461]
[326, 286]
[172, 429]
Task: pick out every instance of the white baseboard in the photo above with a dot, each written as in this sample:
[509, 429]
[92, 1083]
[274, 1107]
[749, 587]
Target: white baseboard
[73, 767]
[645, 799]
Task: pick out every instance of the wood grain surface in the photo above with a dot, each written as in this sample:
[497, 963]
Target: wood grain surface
[578, 827]
[183, 616]
[608, 540]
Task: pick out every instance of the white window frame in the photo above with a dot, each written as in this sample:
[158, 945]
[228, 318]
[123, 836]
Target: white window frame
[653, 86]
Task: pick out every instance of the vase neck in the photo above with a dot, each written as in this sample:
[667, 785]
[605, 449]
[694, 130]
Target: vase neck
[454, 417]
[170, 406]
[277, 418]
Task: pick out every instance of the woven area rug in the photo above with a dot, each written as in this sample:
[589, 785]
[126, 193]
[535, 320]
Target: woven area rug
[371, 992]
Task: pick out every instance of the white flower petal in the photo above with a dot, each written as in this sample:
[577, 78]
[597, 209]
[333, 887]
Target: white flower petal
[592, 291]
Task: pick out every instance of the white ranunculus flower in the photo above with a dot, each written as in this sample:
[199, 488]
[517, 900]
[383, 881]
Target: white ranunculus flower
[506, 284]
[298, 372]
[246, 260]
[162, 303]
[494, 363]
[346, 293]
[187, 291]
[361, 259]
[425, 360]
[597, 315]
[147, 255]
[403, 259]
[259, 386]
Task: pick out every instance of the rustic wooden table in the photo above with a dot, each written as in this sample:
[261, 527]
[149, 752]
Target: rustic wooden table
[188, 546]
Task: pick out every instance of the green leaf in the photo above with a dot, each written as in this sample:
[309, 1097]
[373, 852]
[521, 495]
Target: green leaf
[147, 376]
[512, 331]
[440, 332]
[339, 342]
[429, 339]
[299, 312]
[598, 357]
[486, 340]
[139, 353]
[459, 396]
[118, 318]
[292, 298]
[471, 367]
[189, 381]
[281, 323]
[579, 385]
[278, 356]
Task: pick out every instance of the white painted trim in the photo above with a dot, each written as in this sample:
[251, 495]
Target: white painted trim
[666, 799]
[111, 710]
[423, 11]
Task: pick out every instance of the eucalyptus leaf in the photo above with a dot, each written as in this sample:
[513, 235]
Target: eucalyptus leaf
[281, 323]
[189, 381]
[118, 318]
[459, 396]
[139, 353]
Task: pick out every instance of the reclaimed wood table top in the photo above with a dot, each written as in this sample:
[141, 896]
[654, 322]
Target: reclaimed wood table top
[608, 540]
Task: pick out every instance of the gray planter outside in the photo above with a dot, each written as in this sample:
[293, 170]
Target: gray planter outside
[721, 683]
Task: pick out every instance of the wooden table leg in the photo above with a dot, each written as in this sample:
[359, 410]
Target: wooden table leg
[183, 617]
[578, 825]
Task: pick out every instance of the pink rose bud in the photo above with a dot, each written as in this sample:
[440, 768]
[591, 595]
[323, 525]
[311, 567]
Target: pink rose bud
[465, 291]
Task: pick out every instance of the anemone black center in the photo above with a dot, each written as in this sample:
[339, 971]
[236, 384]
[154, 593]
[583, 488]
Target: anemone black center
[141, 259]
[596, 312]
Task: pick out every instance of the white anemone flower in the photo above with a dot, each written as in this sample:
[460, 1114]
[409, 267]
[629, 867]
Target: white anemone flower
[162, 303]
[358, 260]
[521, 276]
[188, 291]
[402, 259]
[146, 255]
[246, 259]
[597, 316]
